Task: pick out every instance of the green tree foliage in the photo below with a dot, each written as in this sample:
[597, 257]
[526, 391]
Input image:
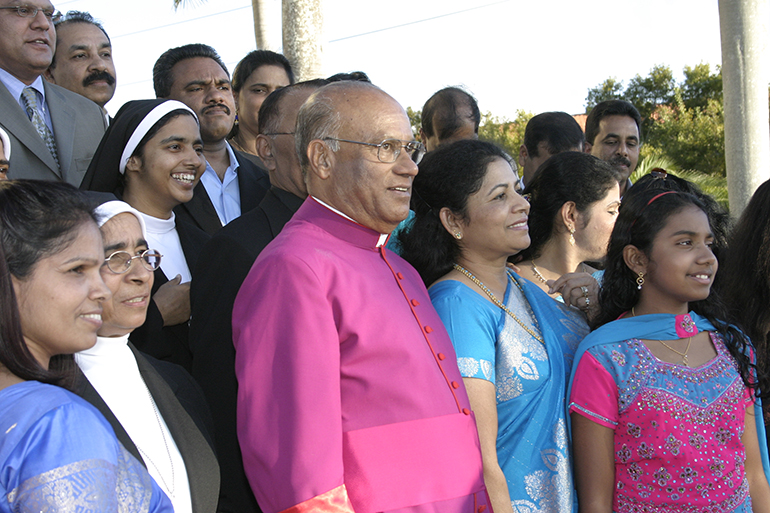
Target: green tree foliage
[692, 137]
[700, 86]
[610, 89]
[683, 123]
[415, 119]
[647, 93]
[507, 134]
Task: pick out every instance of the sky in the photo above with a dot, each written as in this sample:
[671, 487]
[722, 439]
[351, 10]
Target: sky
[511, 55]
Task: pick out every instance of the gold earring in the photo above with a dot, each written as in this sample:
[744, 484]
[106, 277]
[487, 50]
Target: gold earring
[458, 235]
[572, 235]
[640, 280]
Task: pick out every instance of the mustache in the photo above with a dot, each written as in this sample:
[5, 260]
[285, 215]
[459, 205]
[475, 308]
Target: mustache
[620, 159]
[99, 75]
[216, 106]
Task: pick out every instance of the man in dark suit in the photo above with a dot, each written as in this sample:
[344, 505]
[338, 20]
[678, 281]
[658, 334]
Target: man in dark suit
[223, 265]
[54, 132]
[195, 75]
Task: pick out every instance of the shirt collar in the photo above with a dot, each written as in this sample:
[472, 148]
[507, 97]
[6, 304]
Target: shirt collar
[383, 236]
[234, 164]
[16, 86]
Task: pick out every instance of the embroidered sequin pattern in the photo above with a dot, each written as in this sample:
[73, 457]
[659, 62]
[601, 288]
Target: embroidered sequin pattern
[677, 441]
[673, 444]
[618, 358]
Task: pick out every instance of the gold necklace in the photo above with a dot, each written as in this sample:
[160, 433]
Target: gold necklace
[499, 303]
[537, 273]
[683, 355]
[685, 361]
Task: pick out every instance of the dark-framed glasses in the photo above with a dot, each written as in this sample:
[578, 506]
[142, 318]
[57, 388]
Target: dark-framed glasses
[659, 173]
[389, 149]
[29, 11]
[120, 261]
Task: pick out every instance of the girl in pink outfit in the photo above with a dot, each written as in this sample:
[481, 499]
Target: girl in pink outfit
[663, 395]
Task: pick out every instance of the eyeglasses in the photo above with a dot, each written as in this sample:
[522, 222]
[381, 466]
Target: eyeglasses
[659, 173]
[279, 133]
[120, 261]
[389, 149]
[28, 11]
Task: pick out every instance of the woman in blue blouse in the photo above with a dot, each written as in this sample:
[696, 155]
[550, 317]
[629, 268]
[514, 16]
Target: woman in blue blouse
[513, 342]
[57, 453]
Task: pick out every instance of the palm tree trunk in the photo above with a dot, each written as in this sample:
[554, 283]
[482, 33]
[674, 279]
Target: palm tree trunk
[302, 37]
[267, 24]
[745, 75]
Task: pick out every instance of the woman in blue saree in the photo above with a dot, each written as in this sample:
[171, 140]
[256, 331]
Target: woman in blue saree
[57, 453]
[513, 342]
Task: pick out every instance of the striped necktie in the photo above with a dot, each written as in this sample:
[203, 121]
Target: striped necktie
[33, 112]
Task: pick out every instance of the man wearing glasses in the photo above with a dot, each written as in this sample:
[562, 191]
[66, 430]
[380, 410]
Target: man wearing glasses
[349, 394]
[54, 132]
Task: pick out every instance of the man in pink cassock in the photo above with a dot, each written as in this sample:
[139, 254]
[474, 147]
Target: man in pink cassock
[349, 394]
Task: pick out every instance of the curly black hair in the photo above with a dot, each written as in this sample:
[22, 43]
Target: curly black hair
[638, 224]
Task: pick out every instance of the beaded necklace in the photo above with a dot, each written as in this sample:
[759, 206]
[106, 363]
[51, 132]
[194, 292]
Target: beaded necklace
[499, 303]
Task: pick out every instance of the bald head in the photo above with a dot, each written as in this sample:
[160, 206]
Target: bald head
[338, 131]
[275, 142]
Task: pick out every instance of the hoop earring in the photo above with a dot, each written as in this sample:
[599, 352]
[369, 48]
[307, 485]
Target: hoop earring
[640, 280]
[458, 235]
[572, 235]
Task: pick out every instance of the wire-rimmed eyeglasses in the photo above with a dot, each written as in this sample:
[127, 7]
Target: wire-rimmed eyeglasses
[29, 11]
[120, 261]
[389, 149]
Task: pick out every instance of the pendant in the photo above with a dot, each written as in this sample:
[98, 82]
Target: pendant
[685, 362]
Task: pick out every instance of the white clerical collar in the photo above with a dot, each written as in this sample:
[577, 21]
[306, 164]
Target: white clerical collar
[105, 346]
[383, 236]
[158, 225]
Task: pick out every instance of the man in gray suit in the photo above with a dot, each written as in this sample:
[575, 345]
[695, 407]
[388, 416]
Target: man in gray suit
[54, 132]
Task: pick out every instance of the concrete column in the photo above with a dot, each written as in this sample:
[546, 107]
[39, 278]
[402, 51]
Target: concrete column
[303, 36]
[267, 24]
[745, 77]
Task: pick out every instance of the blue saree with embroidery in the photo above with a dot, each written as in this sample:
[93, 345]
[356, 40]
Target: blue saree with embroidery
[57, 454]
[530, 378]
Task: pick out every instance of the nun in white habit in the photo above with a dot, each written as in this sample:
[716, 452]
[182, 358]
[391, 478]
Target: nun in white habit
[151, 157]
[156, 409]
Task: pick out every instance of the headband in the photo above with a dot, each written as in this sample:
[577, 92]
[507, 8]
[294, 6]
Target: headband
[648, 204]
[146, 125]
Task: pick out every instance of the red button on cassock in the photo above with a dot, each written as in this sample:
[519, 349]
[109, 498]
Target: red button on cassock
[482, 508]
[441, 356]
[455, 384]
[466, 411]
[415, 302]
[428, 329]
[400, 276]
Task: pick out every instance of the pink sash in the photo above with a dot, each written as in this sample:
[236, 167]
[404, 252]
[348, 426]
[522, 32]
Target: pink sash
[410, 463]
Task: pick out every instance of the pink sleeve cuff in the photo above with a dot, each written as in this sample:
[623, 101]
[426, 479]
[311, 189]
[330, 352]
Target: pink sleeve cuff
[333, 501]
[594, 393]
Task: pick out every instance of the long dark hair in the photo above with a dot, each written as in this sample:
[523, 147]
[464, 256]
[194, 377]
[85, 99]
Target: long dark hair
[745, 274]
[37, 219]
[569, 176]
[447, 177]
[638, 223]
